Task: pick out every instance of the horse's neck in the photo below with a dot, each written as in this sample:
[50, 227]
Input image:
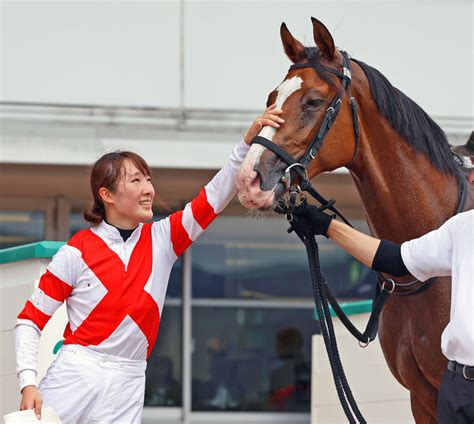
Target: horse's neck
[403, 195]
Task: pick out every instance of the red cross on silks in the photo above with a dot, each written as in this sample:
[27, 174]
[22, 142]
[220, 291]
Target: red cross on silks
[125, 291]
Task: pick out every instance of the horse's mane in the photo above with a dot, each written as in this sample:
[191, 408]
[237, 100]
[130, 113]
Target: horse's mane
[405, 116]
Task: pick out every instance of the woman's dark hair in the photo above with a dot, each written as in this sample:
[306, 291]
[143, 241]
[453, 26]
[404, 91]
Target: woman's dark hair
[107, 172]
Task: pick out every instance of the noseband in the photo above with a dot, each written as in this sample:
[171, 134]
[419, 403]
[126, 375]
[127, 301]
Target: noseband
[301, 166]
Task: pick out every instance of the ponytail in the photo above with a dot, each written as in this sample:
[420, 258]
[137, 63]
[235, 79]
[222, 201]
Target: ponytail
[94, 214]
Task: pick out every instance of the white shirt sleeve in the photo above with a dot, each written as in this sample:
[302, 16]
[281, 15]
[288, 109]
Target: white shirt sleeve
[430, 255]
[184, 227]
[54, 287]
[222, 188]
[27, 338]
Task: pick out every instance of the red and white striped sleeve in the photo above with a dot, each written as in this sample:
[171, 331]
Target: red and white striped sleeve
[185, 226]
[54, 287]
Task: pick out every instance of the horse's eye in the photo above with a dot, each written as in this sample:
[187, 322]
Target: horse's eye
[314, 103]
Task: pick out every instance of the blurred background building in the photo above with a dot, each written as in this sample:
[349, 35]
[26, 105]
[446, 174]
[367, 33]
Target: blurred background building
[178, 82]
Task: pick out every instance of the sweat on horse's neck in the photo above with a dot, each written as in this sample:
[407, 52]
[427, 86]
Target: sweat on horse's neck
[403, 194]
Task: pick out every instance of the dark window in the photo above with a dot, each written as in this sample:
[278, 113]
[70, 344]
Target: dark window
[252, 359]
[21, 227]
[246, 258]
[252, 314]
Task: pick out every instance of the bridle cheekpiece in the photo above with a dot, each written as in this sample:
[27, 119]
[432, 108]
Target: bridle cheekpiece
[300, 166]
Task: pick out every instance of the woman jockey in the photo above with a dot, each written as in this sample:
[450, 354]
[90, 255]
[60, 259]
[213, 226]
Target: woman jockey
[113, 278]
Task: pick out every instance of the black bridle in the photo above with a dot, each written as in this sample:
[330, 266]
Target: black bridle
[300, 166]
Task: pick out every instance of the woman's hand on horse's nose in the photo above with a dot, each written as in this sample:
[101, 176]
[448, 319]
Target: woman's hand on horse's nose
[271, 117]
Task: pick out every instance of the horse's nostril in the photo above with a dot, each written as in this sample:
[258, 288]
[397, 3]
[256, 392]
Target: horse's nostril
[258, 179]
[259, 176]
[268, 170]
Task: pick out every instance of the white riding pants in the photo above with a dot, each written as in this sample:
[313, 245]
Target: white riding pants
[84, 386]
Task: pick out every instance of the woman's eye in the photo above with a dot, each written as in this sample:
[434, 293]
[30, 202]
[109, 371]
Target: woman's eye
[135, 180]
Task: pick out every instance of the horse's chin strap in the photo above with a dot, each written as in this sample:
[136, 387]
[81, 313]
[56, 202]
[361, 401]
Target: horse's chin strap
[304, 184]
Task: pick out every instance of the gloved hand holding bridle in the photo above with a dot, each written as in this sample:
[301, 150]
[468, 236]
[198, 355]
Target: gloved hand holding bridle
[309, 220]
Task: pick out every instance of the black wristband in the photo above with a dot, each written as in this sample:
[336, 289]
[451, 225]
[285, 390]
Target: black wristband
[388, 258]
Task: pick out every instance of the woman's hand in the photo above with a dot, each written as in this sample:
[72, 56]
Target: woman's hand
[31, 399]
[269, 118]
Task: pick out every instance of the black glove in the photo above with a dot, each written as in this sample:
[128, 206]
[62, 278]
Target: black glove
[308, 219]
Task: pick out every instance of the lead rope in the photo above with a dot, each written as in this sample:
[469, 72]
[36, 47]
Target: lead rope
[320, 290]
[384, 288]
[322, 297]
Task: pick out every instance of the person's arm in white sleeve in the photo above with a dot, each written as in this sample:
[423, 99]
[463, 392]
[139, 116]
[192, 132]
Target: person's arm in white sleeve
[185, 226]
[54, 287]
[425, 257]
[27, 339]
[430, 255]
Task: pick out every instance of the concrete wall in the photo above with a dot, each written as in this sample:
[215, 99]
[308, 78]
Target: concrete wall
[179, 81]
[17, 282]
[226, 54]
[190, 75]
[379, 397]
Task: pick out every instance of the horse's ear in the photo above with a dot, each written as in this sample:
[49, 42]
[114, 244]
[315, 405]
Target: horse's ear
[323, 39]
[293, 48]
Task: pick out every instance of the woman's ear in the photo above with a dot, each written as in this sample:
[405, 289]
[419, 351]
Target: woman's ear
[106, 196]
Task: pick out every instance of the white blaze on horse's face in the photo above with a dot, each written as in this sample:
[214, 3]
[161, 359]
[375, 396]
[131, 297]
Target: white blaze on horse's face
[285, 90]
[248, 184]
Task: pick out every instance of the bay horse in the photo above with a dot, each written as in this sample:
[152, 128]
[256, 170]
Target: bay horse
[405, 175]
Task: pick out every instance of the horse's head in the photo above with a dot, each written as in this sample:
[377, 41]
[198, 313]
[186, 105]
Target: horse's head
[310, 88]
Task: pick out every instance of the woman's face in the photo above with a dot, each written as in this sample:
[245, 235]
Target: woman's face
[133, 198]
